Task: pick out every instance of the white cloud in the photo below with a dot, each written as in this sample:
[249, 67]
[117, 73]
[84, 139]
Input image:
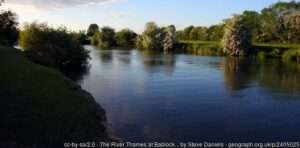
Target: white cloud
[53, 4]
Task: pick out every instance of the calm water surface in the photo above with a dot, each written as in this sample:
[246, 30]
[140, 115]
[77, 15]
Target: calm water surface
[174, 98]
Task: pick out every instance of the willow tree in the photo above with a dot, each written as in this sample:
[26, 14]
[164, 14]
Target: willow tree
[237, 38]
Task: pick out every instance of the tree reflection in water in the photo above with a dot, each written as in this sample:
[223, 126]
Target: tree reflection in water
[241, 73]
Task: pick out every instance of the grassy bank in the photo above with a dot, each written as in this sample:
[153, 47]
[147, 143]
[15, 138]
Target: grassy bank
[208, 48]
[262, 49]
[40, 107]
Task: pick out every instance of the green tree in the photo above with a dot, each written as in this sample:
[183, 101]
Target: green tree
[150, 38]
[169, 38]
[272, 21]
[81, 37]
[52, 47]
[107, 37]
[216, 32]
[202, 34]
[126, 38]
[93, 28]
[291, 24]
[252, 19]
[193, 34]
[237, 37]
[95, 38]
[187, 32]
[8, 28]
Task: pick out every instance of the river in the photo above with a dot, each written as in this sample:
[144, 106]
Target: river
[179, 97]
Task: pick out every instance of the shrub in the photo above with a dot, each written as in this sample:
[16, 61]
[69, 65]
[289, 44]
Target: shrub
[291, 55]
[52, 47]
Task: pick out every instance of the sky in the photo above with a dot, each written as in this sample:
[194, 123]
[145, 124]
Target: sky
[133, 14]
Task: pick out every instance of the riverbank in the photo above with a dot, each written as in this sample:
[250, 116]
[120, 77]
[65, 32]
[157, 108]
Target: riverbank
[42, 108]
[213, 48]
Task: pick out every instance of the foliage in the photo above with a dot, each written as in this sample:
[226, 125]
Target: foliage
[93, 28]
[95, 39]
[292, 27]
[204, 48]
[81, 37]
[253, 22]
[156, 38]
[8, 28]
[237, 37]
[169, 38]
[271, 24]
[292, 55]
[216, 32]
[52, 47]
[40, 102]
[150, 38]
[104, 39]
[126, 38]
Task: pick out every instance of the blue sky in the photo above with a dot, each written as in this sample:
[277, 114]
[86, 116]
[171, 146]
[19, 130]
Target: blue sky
[78, 14]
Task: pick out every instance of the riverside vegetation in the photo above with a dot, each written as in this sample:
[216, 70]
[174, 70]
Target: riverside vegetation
[40, 106]
[53, 103]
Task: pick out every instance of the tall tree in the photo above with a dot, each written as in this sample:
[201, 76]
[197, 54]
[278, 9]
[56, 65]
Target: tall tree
[8, 28]
[187, 32]
[107, 37]
[252, 19]
[291, 24]
[216, 32]
[169, 38]
[237, 37]
[150, 38]
[93, 28]
[125, 38]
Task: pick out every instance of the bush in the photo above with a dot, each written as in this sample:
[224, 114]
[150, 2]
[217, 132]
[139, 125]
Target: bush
[291, 55]
[52, 47]
[8, 28]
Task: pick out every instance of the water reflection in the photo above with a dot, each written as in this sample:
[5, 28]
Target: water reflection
[163, 97]
[157, 62]
[241, 73]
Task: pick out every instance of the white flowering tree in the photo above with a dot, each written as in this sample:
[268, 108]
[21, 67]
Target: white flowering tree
[156, 38]
[169, 39]
[237, 38]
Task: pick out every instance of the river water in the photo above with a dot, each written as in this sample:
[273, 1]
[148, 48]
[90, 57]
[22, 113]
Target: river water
[179, 97]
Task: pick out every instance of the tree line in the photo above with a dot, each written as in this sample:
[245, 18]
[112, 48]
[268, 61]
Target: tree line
[106, 37]
[278, 23]
[59, 48]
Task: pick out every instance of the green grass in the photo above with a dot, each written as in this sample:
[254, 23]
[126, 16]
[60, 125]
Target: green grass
[208, 48]
[39, 106]
[258, 45]
[271, 50]
[276, 45]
